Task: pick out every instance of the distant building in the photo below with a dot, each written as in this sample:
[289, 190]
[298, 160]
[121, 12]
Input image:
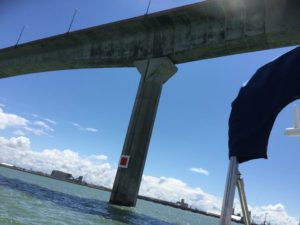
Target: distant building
[79, 179]
[61, 175]
[6, 164]
[182, 204]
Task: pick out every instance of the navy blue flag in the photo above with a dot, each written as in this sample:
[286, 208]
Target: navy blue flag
[258, 103]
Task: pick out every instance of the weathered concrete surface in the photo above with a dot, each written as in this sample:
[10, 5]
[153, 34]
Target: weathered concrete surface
[204, 30]
[155, 73]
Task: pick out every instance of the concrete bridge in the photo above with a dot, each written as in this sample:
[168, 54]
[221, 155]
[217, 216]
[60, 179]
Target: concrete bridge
[154, 44]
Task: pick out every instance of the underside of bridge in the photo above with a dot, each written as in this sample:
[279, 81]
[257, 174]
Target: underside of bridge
[154, 44]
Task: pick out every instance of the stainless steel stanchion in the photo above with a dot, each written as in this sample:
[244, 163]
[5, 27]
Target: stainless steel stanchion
[227, 206]
[241, 189]
[234, 180]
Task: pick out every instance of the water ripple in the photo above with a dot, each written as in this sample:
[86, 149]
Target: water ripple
[81, 205]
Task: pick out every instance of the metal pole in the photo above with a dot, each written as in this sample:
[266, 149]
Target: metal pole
[20, 35]
[147, 11]
[229, 192]
[241, 189]
[73, 17]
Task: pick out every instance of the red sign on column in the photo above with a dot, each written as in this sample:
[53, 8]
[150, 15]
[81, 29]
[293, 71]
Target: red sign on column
[124, 160]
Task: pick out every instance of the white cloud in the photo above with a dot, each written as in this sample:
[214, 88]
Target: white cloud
[35, 131]
[88, 129]
[91, 129]
[2, 105]
[50, 121]
[17, 151]
[8, 120]
[20, 144]
[275, 214]
[45, 119]
[22, 125]
[173, 190]
[76, 125]
[94, 169]
[43, 125]
[200, 171]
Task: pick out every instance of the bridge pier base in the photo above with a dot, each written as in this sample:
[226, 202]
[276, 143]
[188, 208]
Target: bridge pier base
[154, 73]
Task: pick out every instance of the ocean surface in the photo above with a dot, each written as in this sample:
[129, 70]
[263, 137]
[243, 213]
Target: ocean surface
[30, 199]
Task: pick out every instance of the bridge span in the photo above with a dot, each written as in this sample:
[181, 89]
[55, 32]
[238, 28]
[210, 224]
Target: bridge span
[154, 44]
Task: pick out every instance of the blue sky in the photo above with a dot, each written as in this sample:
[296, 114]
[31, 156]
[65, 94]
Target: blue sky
[88, 110]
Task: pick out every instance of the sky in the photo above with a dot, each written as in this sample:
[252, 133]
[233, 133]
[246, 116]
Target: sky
[76, 120]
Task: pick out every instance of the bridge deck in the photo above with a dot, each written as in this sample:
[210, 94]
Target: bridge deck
[199, 31]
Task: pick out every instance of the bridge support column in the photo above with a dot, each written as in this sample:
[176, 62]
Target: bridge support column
[155, 72]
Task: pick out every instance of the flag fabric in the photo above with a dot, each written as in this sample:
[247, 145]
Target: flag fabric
[258, 103]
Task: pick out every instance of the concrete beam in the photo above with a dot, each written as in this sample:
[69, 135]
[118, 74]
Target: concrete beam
[199, 31]
[155, 73]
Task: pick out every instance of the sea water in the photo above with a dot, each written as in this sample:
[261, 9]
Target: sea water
[30, 199]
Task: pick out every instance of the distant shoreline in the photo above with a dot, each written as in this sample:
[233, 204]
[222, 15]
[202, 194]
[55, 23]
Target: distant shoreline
[102, 188]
